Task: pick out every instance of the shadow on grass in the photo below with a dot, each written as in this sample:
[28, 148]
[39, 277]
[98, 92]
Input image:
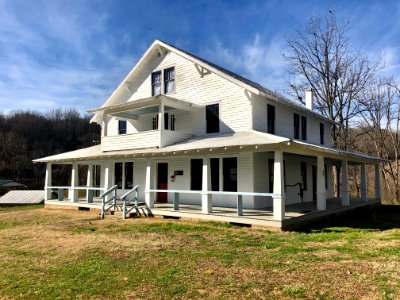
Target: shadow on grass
[382, 218]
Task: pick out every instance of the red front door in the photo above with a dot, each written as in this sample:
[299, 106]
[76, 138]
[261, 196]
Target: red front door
[162, 182]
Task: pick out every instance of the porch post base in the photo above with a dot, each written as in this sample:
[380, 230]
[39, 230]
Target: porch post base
[279, 208]
[149, 199]
[206, 203]
[321, 201]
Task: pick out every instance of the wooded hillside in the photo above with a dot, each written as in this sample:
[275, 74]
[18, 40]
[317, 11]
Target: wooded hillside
[27, 135]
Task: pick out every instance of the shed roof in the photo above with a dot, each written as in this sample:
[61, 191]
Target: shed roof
[245, 141]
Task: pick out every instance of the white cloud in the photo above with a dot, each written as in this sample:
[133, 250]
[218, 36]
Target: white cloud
[257, 60]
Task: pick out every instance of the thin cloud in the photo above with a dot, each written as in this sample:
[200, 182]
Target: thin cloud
[257, 60]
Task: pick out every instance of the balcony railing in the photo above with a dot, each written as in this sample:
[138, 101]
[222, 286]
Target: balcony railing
[145, 139]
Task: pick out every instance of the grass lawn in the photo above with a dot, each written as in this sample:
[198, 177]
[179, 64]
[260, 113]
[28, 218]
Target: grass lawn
[49, 254]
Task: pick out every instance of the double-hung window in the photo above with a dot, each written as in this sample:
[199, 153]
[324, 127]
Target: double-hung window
[122, 126]
[296, 126]
[303, 128]
[321, 133]
[212, 118]
[156, 83]
[271, 119]
[169, 80]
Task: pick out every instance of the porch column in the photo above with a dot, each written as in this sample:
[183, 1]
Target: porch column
[206, 199]
[279, 189]
[345, 184]
[364, 187]
[48, 182]
[377, 182]
[73, 193]
[161, 123]
[89, 183]
[149, 196]
[321, 191]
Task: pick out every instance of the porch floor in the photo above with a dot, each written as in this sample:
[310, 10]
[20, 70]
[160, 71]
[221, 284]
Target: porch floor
[295, 216]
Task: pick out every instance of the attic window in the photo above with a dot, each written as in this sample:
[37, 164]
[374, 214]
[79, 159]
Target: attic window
[156, 83]
[122, 126]
[169, 80]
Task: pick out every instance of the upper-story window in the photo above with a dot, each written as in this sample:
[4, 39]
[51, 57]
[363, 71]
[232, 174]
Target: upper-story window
[271, 119]
[303, 128]
[321, 133]
[169, 80]
[122, 126]
[296, 126]
[156, 83]
[212, 118]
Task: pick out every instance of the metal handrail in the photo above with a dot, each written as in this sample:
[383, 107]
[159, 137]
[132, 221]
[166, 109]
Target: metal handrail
[113, 199]
[126, 201]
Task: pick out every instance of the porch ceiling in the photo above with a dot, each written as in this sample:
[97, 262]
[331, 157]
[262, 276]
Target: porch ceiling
[151, 105]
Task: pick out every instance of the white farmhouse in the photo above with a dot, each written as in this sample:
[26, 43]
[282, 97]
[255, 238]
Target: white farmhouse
[182, 132]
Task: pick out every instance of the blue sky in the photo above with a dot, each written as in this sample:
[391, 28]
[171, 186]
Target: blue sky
[73, 54]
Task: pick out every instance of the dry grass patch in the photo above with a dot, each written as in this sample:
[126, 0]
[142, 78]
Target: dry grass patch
[47, 254]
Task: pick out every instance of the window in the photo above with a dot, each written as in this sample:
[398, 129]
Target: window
[321, 133]
[129, 175]
[230, 174]
[326, 176]
[303, 128]
[196, 174]
[270, 175]
[155, 122]
[271, 119]
[166, 120]
[214, 164]
[156, 83]
[118, 175]
[303, 174]
[172, 127]
[169, 80]
[212, 118]
[296, 126]
[121, 126]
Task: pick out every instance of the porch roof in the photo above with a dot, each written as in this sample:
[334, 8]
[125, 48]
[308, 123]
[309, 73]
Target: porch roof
[245, 141]
[145, 106]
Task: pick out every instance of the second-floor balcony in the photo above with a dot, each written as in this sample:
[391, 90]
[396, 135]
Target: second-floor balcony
[151, 125]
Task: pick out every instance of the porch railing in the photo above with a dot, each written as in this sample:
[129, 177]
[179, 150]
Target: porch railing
[239, 196]
[89, 190]
[108, 203]
[130, 201]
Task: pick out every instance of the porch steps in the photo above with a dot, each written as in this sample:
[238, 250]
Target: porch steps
[138, 211]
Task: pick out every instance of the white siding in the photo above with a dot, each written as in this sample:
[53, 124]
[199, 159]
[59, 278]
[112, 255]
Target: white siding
[235, 108]
[284, 121]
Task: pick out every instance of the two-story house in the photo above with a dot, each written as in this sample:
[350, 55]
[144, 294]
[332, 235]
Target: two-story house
[180, 126]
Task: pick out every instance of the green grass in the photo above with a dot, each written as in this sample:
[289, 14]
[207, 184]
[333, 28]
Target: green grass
[46, 254]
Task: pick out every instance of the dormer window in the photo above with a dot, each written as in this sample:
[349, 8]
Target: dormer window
[122, 126]
[169, 80]
[156, 83]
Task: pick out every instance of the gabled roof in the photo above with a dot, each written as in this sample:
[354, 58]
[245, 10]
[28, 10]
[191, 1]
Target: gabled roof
[231, 76]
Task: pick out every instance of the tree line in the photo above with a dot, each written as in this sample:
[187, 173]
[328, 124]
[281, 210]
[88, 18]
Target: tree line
[27, 135]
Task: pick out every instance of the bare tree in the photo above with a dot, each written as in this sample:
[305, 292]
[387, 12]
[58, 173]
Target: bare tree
[320, 57]
[380, 110]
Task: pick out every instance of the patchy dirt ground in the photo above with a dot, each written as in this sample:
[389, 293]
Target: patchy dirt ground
[47, 254]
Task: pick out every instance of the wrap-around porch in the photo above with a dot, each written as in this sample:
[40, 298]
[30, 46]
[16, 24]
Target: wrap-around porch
[276, 215]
